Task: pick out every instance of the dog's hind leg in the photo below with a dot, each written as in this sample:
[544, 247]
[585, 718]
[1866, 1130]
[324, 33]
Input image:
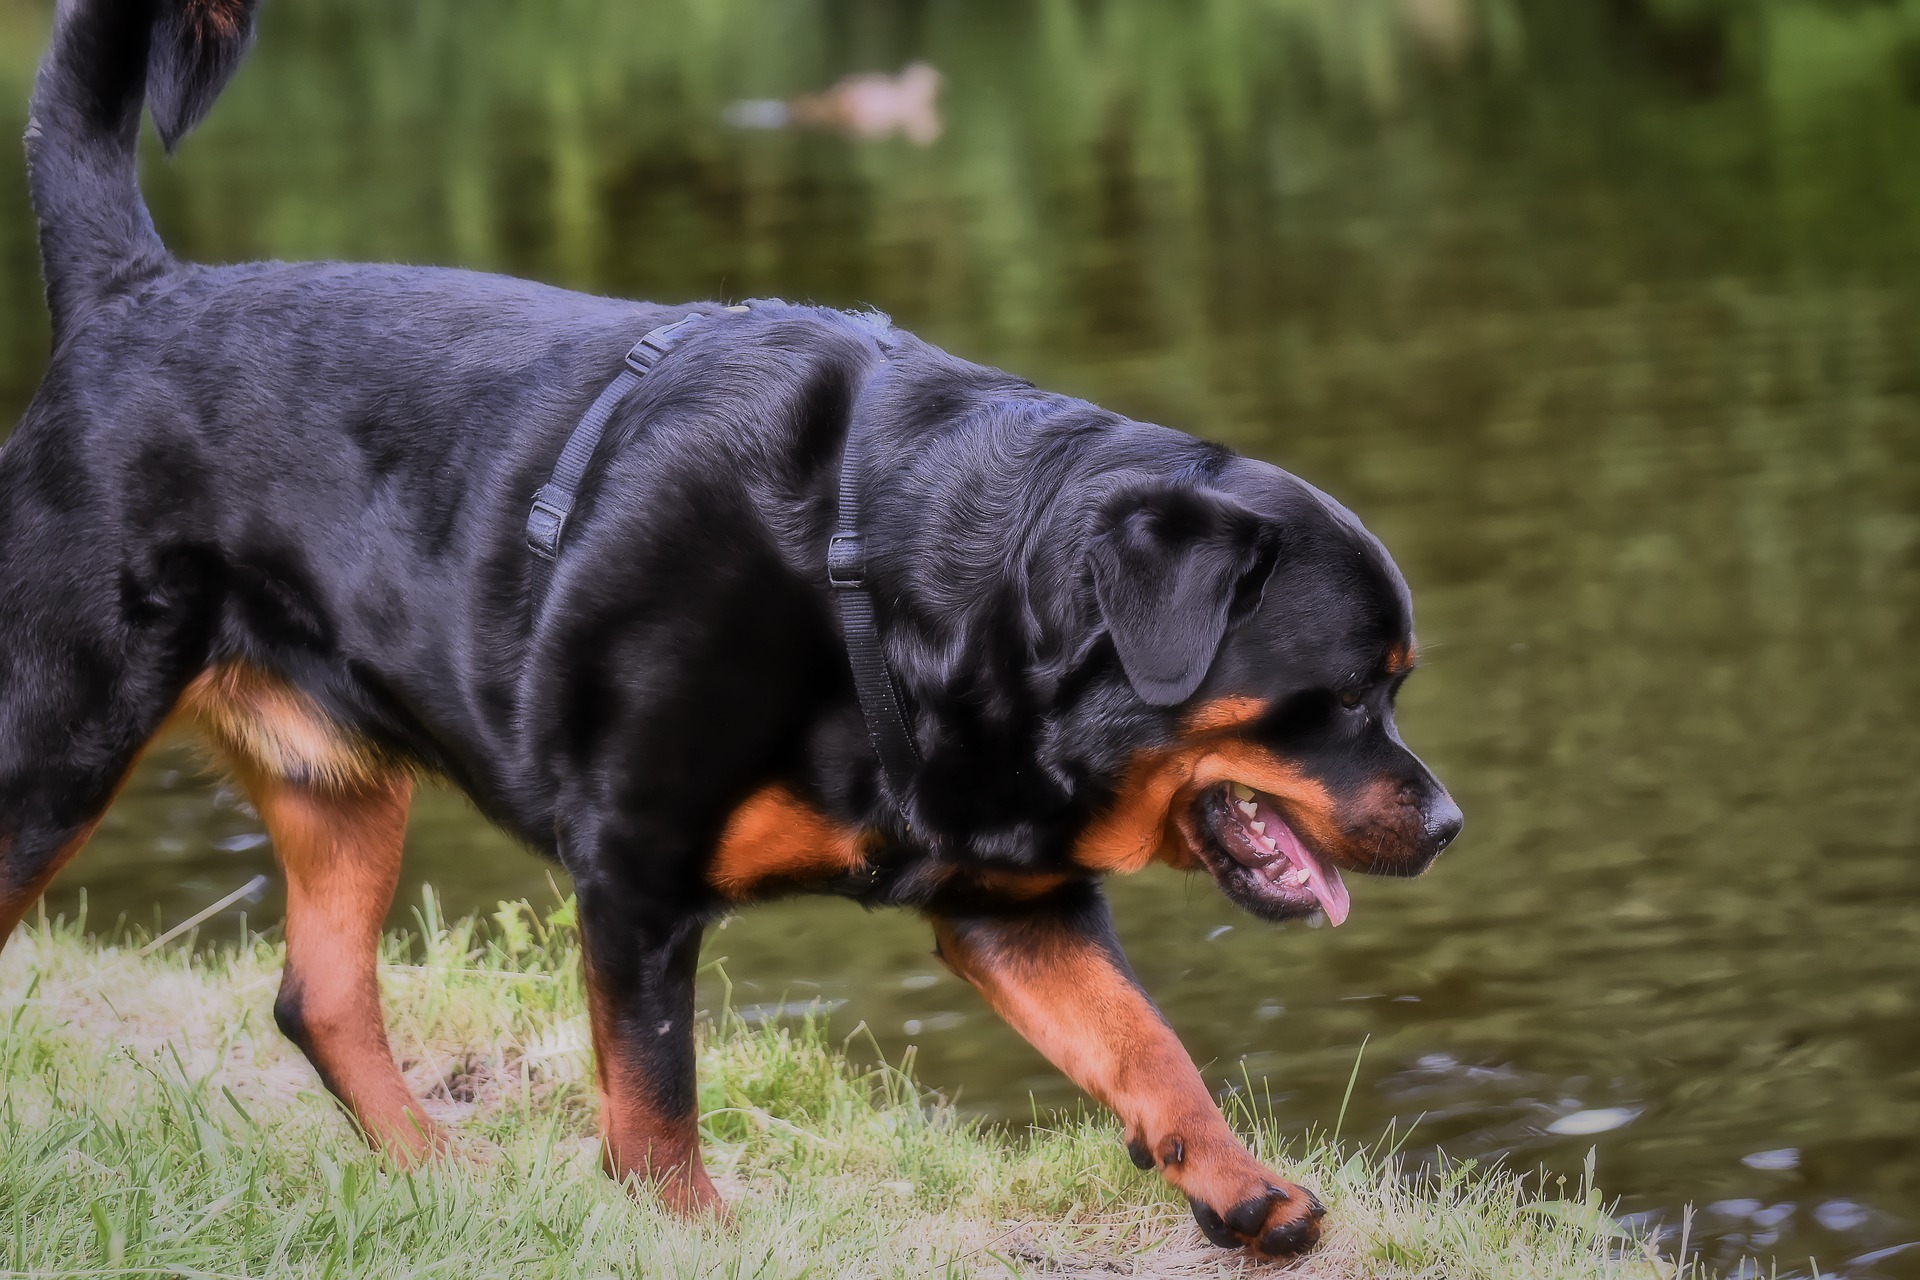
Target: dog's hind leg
[28, 864]
[74, 717]
[340, 845]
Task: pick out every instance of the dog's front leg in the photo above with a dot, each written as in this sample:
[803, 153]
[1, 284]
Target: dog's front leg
[1057, 976]
[640, 964]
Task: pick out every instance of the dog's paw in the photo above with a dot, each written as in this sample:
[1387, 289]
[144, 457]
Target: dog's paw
[1278, 1221]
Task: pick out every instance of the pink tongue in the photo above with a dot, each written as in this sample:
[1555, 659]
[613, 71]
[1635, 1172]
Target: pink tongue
[1326, 886]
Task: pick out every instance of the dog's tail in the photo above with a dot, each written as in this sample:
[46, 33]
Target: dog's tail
[107, 58]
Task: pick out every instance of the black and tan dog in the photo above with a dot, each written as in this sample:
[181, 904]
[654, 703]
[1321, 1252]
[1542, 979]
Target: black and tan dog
[288, 503]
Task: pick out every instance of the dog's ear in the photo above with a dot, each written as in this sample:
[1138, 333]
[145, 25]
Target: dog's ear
[1172, 565]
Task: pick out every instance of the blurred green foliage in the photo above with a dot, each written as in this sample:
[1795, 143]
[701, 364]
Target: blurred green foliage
[1149, 157]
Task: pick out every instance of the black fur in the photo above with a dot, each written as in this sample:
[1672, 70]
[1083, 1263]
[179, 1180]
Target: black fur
[323, 470]
[1173, 561]
[196, 47]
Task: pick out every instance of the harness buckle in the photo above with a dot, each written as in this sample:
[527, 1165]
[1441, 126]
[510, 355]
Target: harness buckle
[655, 343]
[547, 524]
[846, 561]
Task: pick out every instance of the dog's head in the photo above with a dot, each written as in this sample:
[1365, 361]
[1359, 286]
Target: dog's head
[1133, 646]
[1263, 634]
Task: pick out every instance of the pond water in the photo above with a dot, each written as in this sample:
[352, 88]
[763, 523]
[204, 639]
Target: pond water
[1605, 316]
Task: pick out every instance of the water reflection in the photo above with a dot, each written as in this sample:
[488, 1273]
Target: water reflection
[1602, 315]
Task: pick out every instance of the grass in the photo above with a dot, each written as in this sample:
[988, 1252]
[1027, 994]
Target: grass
[154, 1123]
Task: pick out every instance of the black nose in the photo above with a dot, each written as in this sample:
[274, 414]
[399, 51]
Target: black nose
[1444, 821]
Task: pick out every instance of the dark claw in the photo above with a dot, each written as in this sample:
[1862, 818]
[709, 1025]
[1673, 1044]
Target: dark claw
[1245, 1218]
[1138, 1153]
[1240, 1226]
[1212, 1228]
[1287, 1238]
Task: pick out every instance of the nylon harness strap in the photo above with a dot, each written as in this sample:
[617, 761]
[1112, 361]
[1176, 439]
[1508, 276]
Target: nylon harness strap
[887, 728]
[880, 703]
[553, 501]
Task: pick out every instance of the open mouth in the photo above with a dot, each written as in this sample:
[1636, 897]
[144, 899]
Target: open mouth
[1272, 872]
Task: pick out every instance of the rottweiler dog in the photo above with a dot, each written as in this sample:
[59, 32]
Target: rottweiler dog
[289, 503]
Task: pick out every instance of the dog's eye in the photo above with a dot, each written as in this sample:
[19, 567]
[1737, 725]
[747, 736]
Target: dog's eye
[1351, 698]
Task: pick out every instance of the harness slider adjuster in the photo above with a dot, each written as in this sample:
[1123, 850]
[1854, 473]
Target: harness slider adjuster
[655, 343]
[846, 561]
[547, 524]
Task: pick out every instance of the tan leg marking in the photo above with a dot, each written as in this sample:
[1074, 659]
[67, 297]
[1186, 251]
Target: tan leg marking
[640, 1143]
[337, 815]
[341, 853]
[255, 716]
[1065, 994]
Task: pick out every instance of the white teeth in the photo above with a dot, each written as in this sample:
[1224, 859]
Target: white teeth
[1259, 828]
[1242, 791]
[1248, 807]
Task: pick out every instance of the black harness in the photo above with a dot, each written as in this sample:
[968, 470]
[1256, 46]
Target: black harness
[553, 505]
[553, 501]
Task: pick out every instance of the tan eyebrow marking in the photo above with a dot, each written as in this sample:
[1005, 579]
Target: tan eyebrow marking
[1222, 713]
